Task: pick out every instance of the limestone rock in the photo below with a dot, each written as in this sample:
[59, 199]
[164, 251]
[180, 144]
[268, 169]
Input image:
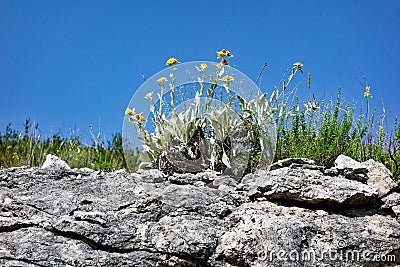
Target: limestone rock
[53, 162]
[373, 173]
[309, 187]
[392, 201]
[379, 177]
[291, 162]
[294, 215]
[351, 168]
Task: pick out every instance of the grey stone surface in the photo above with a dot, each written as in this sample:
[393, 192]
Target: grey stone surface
[392, 201]
[370, 172]
[294, 215]
[379, 177]
[53, 162]
[351, 168]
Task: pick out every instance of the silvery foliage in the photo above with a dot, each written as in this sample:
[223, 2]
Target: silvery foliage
[248, 122]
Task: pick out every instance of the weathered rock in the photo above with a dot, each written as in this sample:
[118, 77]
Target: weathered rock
[392, 202]
[81, 217]
[309, 187]
[269, 235]
[379, 177]
[373, 173]
[351, 168]
[291, 162]
[52, 162]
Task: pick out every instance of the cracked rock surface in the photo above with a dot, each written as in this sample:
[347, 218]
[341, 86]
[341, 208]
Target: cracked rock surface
[296, 214]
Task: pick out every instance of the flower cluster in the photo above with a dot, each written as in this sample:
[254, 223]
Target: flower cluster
[216, 130]
[223, 54]
[134, 117]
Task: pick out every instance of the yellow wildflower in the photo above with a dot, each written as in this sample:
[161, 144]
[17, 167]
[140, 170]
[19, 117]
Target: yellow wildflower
[224, 62]
[367, 92]
[203, 66]
[224, 53]
[227, 79]
[172, 61]
[162, 80]
[128, 112]
[141, 118]
[298, 65]
[149, 96]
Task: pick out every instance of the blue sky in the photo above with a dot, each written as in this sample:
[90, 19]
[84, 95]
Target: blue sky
[69, 64]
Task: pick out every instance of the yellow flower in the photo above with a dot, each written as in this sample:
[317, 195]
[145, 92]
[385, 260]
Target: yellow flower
[227, 79]
[298, 65]
[172, 61]
[139, 117]
[220, 54]
[162, 80]
[367, 92]
[223, 53]
[149, 96]
[128, 112]
[224, 62]
[203, 66]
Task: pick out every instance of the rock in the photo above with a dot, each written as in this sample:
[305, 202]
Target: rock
[309, 187]
[152, 176]
[373, 173]
[120, 171]
[53, 162]
[291, 161]
[87, 170]
[345, 162]
[351, 168]
[392, 201]
[379, 177]
[265, 234]
[294, 215]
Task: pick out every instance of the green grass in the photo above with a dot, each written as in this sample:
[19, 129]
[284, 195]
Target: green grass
[320, 134]
[28, 149]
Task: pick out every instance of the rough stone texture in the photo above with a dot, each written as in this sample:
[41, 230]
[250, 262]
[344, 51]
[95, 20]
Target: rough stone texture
[379, 177]
[392, 201]
[351, 168]
[373, 173]
[54, 162]
[297, 214]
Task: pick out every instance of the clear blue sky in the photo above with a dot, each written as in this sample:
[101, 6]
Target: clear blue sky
[69, 63]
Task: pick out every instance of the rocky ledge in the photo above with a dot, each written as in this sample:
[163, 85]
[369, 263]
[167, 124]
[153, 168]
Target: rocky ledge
[295, 214]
